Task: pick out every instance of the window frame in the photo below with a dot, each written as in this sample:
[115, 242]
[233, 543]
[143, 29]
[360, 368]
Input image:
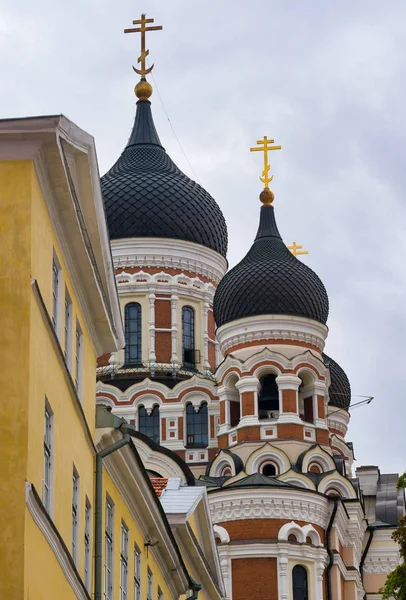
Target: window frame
[160, 595]
[136, 322]
[87, 578]
[137, 572]
[109, 549]
[56, 291]
[188, 338]
[79, 360]
[68, 330]
[146, 427]
[75, 514]
[150, 584]
[48, 458]
[125, 534]
[195, 419]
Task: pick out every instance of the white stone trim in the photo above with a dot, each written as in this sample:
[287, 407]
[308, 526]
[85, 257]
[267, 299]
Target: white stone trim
[271, 327]
[170, 253]
[233, 505]
[37, 512]
[382, 560]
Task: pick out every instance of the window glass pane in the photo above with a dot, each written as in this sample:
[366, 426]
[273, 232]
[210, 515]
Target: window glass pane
[197, 426]
[133, 332]
[188, 336]
[149, 424]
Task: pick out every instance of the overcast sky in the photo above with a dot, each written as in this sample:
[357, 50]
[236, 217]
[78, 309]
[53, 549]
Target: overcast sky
[326, 80]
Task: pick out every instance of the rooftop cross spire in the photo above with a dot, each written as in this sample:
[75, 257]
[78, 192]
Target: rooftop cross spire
[297, 249]
[266, 196]
[143, 89]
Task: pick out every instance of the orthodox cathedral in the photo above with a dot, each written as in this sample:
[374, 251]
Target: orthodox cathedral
[214, 464]
[225, 377]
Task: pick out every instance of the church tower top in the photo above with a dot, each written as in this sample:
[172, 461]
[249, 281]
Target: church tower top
[265, 145]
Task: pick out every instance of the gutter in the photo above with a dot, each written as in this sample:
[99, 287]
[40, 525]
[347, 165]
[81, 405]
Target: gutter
[336, 500]
[371, 530]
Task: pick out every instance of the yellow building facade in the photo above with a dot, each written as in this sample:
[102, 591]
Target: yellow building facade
[73, 525]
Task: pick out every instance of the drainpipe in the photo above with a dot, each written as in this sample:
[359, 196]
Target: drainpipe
[364, 554]
[195, 587]
[335, 499]
[98, 563]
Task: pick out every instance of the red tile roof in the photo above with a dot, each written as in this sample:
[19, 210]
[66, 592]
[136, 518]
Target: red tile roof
[159, 484]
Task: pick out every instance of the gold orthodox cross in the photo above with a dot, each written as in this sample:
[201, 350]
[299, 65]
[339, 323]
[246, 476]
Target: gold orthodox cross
[295, 249]
[144, 53]
[264, 146]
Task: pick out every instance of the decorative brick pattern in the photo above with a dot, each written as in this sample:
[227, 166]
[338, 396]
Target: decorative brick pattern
[254, 578]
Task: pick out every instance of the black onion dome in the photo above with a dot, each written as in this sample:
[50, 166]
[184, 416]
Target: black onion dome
[270, 280]
[340, 390]
[146, 195]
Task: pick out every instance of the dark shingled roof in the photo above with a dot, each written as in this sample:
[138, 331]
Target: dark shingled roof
[270, 280]
[340, 390]
[146, 195]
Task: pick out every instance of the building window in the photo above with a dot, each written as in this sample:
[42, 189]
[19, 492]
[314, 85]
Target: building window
[160, 594]
[56, 295]
[268, 398]
[197, 427]
[299, 582]
[269, 468]
[137, 573]
[148, 424]
[75, 515]
[48, 457]
[88, 550]
[124, 562]
[108, 552]
[150, 583]
[68, 331]
[133, 333]
[79, 360]
[188, 337]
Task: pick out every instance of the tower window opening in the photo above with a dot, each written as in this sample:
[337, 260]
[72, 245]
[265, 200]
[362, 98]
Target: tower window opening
[292, 538]
[148, 424]
[133, 332]
[188, 337]
[315, 468]
[299, 583]
[268, 400]
[197, 427]
[269, 469]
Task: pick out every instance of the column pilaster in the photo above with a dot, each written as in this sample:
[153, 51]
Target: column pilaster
[248, 390]
[174, 329]
[151, 299]
[288, 386]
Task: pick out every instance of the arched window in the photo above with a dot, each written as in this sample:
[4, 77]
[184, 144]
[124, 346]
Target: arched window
[149, 424]
[299, 581]
[268, 399]
[188, 337]
[269, 469]
[132, 320]
[197, 427]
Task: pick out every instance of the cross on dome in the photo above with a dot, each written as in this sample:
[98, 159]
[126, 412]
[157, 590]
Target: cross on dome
[265, 145]
[143, 89]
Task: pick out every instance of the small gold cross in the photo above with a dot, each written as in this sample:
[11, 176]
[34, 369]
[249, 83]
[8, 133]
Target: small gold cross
[296, 250]
[144, 53]
[264, 146]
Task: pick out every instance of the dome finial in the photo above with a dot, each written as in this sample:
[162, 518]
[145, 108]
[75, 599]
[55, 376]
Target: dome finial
[266, 196]
[143, 89]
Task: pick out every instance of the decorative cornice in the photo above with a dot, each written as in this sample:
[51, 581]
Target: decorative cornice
[173, 254]
[271, 327]
[383, 562]
[55, 542]
[234, 505]
[164, 283]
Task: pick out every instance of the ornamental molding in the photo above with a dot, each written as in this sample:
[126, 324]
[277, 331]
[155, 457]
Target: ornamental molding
[164, 283]
[257, 365]
[150, 387]
[383, 562]
[167, 253]
[271, 327]
[238, 504]
[43, 521]
[278, 550]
